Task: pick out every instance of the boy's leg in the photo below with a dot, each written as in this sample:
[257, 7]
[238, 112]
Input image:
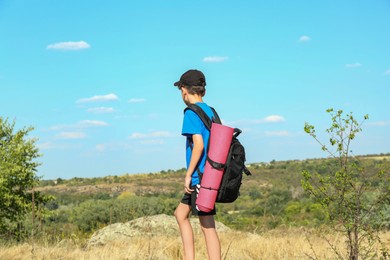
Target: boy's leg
[212, 240]
[182, 217]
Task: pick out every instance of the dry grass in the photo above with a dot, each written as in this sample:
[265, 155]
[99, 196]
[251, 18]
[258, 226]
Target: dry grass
[277, 244]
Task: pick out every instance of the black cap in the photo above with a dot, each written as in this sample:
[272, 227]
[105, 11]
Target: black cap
[192, 78]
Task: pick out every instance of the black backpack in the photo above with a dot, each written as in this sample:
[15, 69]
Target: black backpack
[229, 189]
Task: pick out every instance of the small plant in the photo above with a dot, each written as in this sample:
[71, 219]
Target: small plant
[352, 196]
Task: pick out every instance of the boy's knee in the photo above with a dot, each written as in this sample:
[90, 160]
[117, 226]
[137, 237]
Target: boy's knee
[180, 216]
[175, 213]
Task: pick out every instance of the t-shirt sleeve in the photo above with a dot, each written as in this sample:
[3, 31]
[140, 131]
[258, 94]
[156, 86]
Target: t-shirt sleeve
[192, 124]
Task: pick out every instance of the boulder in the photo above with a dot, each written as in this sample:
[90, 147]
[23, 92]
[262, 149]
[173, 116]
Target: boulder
[146, 226]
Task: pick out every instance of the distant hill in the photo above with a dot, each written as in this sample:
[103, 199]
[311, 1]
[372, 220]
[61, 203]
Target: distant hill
[265, 174]
[271, 197]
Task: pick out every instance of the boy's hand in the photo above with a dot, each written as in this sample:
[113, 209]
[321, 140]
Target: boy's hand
[187, 185]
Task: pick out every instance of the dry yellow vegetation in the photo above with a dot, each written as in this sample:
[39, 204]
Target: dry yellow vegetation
[295, 243]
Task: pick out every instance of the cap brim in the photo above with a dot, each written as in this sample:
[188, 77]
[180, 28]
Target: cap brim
[177, 83]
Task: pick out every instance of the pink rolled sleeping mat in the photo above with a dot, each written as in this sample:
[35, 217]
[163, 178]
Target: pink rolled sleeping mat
[220, 140]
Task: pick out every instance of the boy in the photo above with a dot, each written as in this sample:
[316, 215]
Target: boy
[192, 86]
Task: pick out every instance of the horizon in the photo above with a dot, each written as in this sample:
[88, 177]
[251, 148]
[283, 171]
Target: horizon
[180, 169]
[95, 79]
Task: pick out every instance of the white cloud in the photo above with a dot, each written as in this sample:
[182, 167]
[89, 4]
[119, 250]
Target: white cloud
[277, 133]
[101, 110]
[215, 59]
[79, 125]
[387, 72]
[268, 119]
[58, 127]
[45, 146]
[69, 46]
[152, 142]
[105, 147]
[304, 38]
[353, 65]
[272, 119]
[71, 135]
[157, 134]
[51, 145]
[380, 123]
[137, 100]
[100, 148]
[99, 98]
[91, 123]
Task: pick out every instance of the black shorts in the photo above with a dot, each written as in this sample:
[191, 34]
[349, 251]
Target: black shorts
[190, 198]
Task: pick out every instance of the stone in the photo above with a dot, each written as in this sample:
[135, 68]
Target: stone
[156, 225]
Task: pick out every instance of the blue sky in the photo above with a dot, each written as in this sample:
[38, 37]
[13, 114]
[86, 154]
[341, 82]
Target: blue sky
[95, 78]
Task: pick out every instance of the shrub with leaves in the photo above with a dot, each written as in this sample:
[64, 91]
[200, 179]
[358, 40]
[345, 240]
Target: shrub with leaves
[352, 196]
[17, 178]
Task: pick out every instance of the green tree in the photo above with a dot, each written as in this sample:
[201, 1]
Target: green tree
[351, 195]
[17, 177]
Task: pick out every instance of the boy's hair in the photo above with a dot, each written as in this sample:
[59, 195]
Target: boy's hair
[196, 90]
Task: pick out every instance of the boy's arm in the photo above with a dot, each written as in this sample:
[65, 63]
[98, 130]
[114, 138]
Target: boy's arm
[197, 151]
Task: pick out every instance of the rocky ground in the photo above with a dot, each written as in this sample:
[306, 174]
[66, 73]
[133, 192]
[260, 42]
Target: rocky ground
[146, 227]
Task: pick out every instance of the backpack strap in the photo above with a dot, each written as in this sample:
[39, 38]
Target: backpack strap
[207, 122]
[246, 171]
[203, 116]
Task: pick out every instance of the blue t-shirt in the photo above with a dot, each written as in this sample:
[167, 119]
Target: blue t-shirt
[192, 124]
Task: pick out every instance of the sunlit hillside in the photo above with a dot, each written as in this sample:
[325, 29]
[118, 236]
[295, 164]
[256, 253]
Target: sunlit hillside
[272, 219]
